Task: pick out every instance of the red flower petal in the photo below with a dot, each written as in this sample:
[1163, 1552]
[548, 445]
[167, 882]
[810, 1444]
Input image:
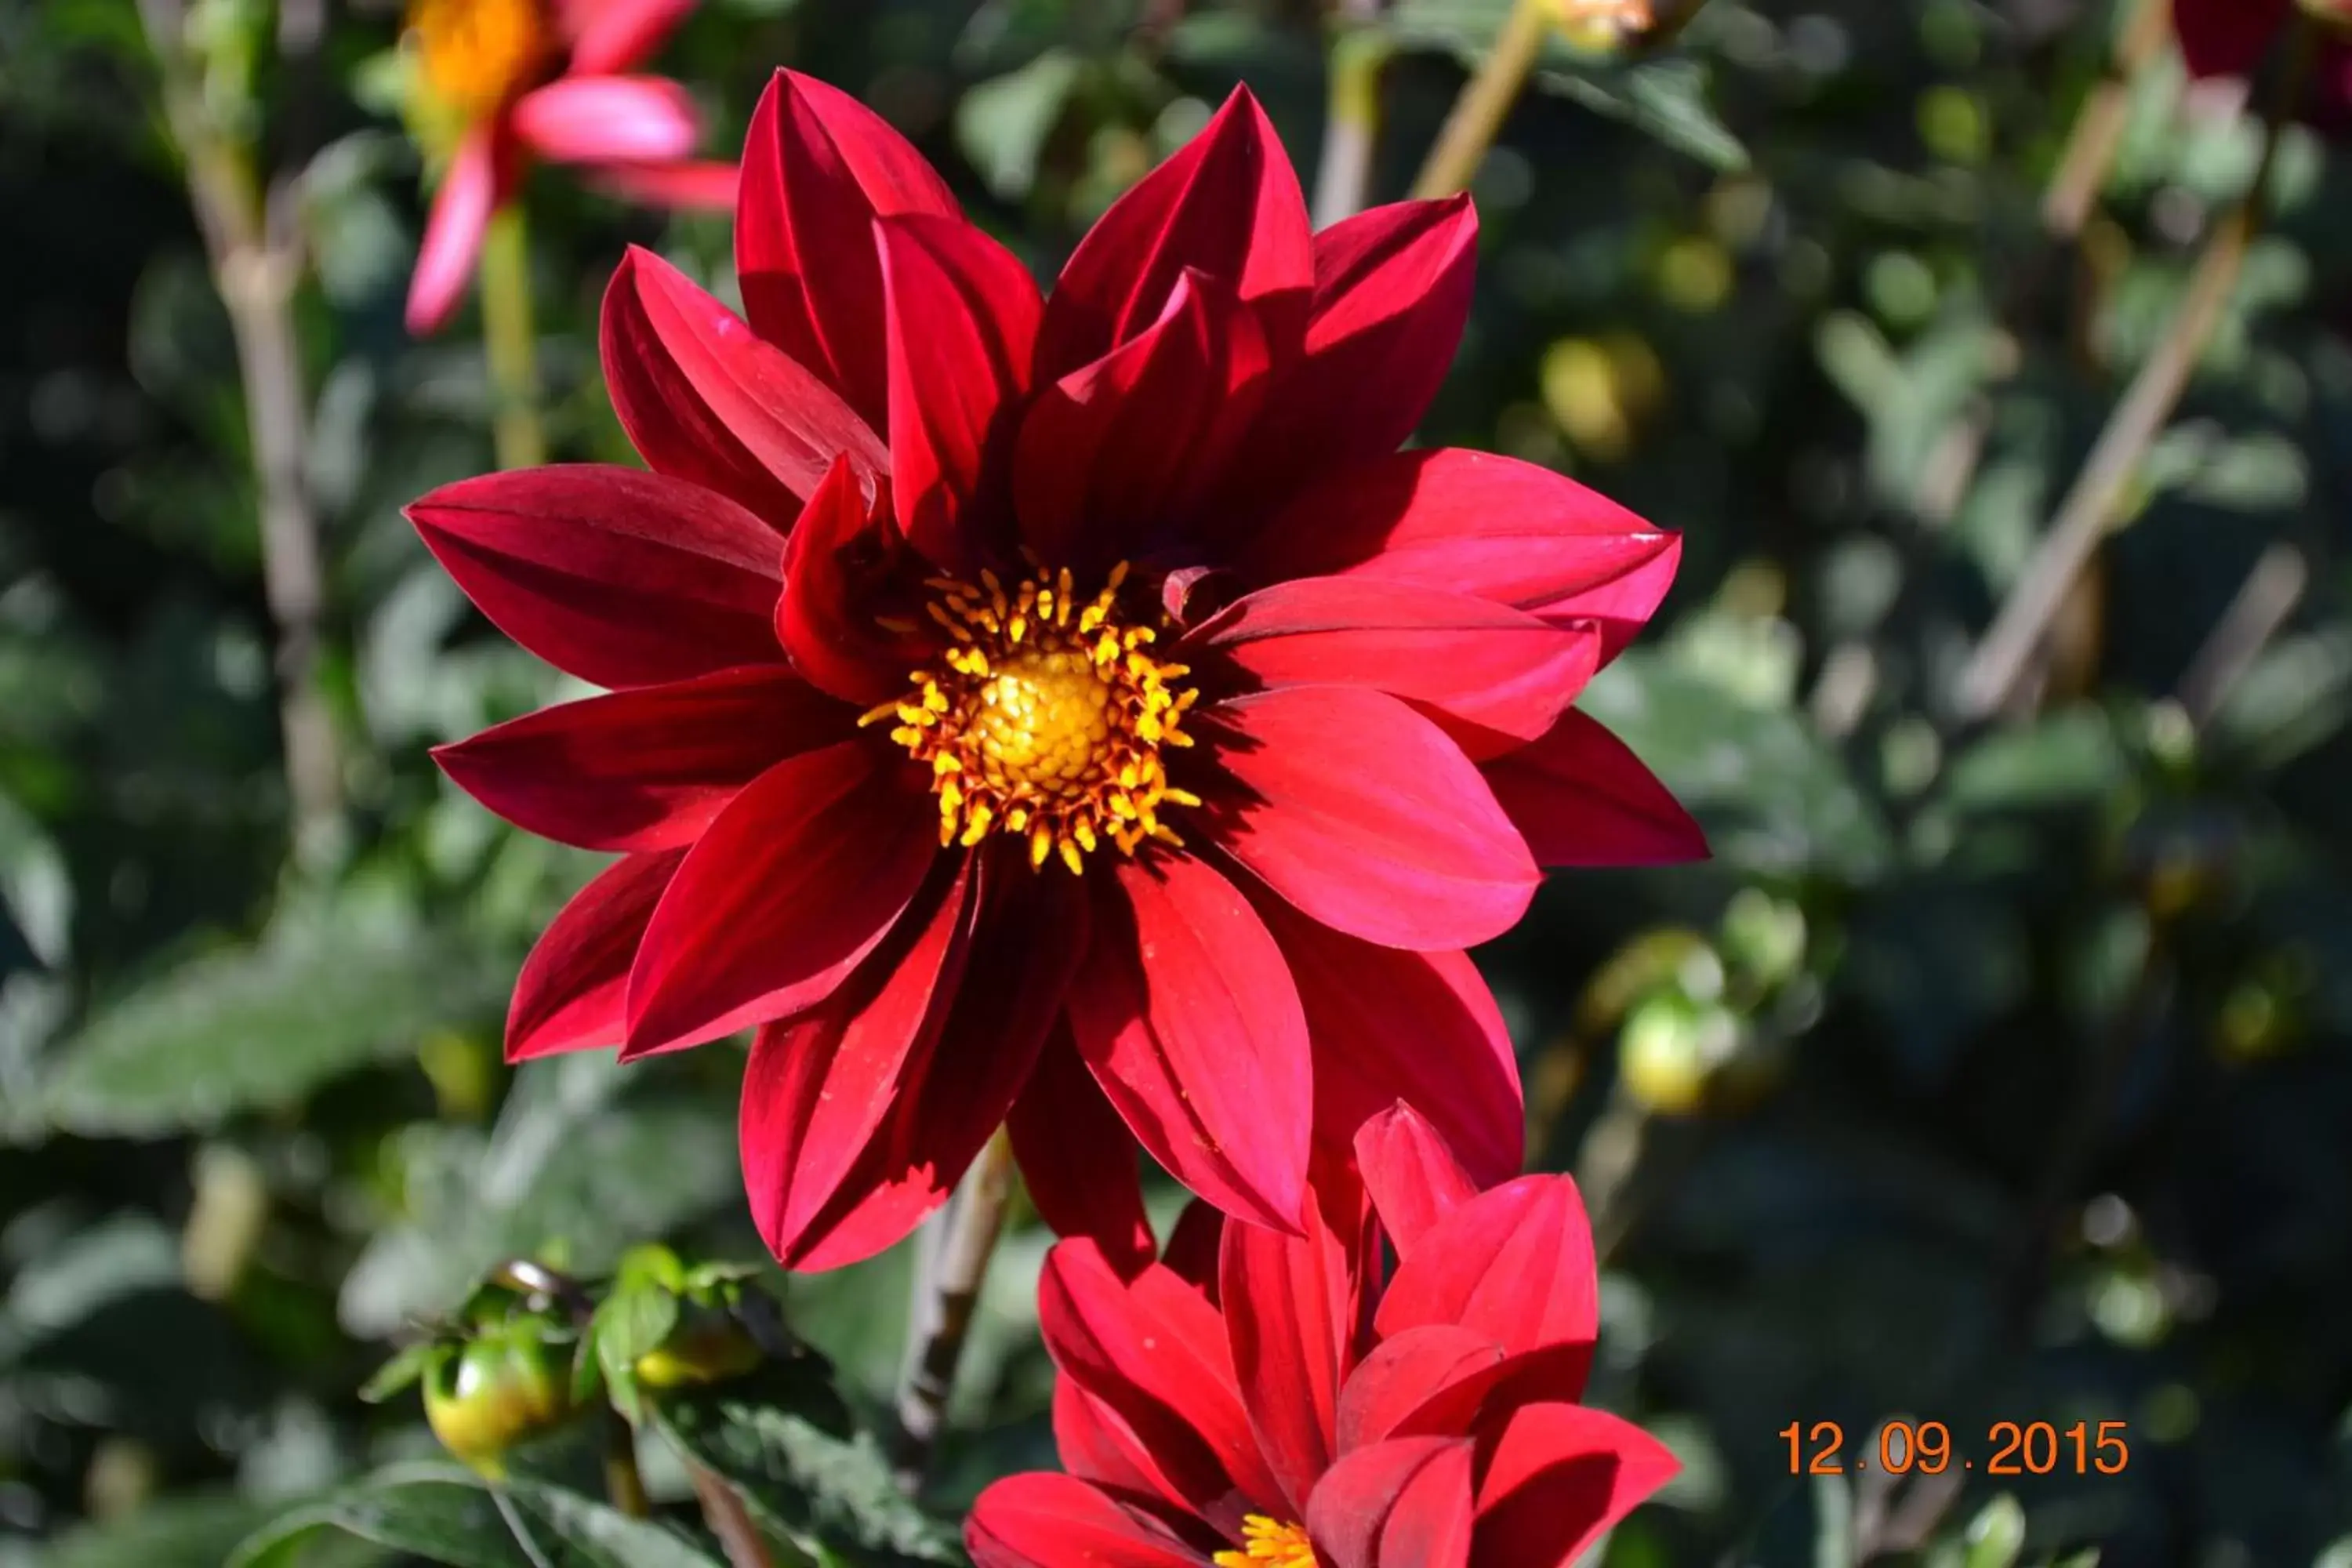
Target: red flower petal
[2228, 37]
[818, 168]
[952, 1098]
[608, 119]
[690, 183]
[1044, 1520]
[615, 34]
[1367, 817]
[1153, 1354]
[1117, 452]
[1494, 678]
[619, 577]
[815, 1088]
[963, 327]
[1227, 203]
[1391, 1025]
[1414, 1180]
[1476, 524]
[824, 620]
[1077, 1158]
[1286, 1303]
[789, 888]
[1186, 1013]
[1196, 1245]
[1558, 1476]
[1098, 1448]
[1405, 1504]
[1581, 797]
[573, 992]
[704, 399]
[1424, 1382]
[1513, 1263]
[461, 212]
[648, 768]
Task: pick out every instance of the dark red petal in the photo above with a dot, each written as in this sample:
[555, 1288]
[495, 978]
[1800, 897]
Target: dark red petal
[1513, 1263]
[1476, 523]
[815, 1088]
[1413, 1174]
[580, 119]
[573, 992]
[1186, 1013]
[1114, 455]
[1424, 1382]
[1152, 1352]
[1031, 934]
[2228, 37]
[962, 327]
[790, 886]
[1077, 1158]
[1195, 1248]
[1368, 818]
[1287, 1302]
[613, 35]
[1043, 1521]
[1404, 1504]
[704, 399]
[1097, 1446]
[818, 168]
[1556, 1478]
[1581, 797]
[1492, 677]
[620, 577]
[1227, 203]
[647, 768]
[461, 213]
[824, 622]
[1393, 289]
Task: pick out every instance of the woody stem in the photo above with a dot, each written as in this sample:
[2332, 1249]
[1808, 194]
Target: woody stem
[954, 1264]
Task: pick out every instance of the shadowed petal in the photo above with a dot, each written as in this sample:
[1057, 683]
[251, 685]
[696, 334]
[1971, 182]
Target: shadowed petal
[1513, 1263]
[1411, 1174]
[573, 992]
[789, 887]
[615, 34]
[468, 195]
[1581, 797]
[826, 618]
[1227, 203]
[1556, 1478]
[1186, 1014]
[1367, 817]
[648, 768]
[963, 325]
[1044, 1520]
[702, 399]
[1492, 677]
[818, 168]
[1424, 1382]
[1077, 1158]
[620, 577]
[1404, 1504]
[608, 119]
[1287, 1304]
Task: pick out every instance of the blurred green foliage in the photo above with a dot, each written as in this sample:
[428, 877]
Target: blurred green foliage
[1991, 1071]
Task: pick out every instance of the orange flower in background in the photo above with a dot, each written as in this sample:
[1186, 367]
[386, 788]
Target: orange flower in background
[500, 82]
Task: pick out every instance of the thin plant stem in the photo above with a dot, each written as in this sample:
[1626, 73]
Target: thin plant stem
[1351, 124]
[1486, 102]
[2001, 661]
[625, 1483]
[511, 341]
[954, 1264]
[730, 1521]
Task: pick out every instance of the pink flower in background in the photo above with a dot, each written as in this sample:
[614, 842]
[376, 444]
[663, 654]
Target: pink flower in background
[506, 80]
[1291, 1407]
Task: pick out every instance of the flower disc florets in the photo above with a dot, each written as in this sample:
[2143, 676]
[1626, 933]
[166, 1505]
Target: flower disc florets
[1045, 718]
[474, 55]
[1269, 1544]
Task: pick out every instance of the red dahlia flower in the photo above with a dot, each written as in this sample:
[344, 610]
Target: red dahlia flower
[2231, 39]
[1068, 710]
[1293, 1410]
[501, 80]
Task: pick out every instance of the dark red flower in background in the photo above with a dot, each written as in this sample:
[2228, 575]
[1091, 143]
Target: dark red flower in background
[1072, 711]
[1290, 1408]
[2233, 38]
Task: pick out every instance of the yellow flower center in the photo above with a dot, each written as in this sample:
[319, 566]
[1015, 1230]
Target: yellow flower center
[474, 55]
[1268, 1545]
[1045, 718]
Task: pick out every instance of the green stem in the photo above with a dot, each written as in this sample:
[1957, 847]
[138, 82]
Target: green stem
[512, 342]
[1485, 102]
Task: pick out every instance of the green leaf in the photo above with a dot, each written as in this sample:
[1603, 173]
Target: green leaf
[1002, 125]
[405, 1367]
[188, 1532]
[1997, 1534]
[820, 1490]
[446, 1515]
[634, 1320]
[258, 1028]
[2065, 759]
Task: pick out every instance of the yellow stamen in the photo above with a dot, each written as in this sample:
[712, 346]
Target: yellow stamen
[474, 55]
[1046, 720]
[1266, 1543]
